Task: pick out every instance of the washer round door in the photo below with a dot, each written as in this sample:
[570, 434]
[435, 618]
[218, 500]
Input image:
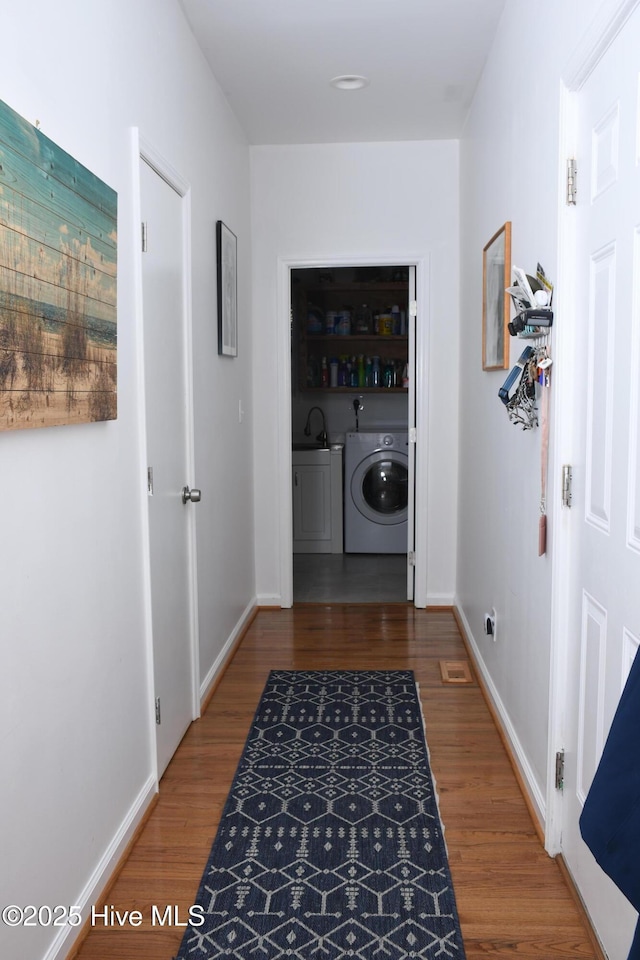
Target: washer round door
[379, 487]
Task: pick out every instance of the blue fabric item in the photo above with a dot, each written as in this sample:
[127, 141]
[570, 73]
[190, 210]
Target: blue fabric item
[330, 845]
[610, 819]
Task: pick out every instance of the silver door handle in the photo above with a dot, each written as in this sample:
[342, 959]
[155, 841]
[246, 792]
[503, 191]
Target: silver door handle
[191, 495]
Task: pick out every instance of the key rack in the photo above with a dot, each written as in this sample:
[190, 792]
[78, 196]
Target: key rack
[514, 375]
[532, 298]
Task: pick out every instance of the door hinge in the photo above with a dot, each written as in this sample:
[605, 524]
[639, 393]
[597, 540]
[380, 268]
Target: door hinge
[413, 308]
[143, 225]
[571, 182]
[158, 714]
[411, 558]
[150, 481]
[559, 769]
[413, 435]
[567, 478]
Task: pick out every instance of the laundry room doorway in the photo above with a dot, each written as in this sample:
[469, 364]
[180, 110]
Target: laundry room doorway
[353, 432]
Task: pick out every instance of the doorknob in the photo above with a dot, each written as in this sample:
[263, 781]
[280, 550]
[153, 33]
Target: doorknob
[191, 495]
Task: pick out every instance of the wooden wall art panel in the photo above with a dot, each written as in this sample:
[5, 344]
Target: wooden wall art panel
[58, 260]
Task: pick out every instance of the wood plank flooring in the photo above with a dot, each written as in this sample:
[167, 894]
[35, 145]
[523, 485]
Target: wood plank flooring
[512, 900]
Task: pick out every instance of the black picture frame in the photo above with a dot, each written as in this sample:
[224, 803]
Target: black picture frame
[227, 267]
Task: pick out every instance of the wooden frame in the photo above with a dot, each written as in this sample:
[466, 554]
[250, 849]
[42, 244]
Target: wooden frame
[496, 271]
[227, 261]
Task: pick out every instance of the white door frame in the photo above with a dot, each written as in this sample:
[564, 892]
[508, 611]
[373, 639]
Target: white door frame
[604, 28]
[285, 526]
[143, 149]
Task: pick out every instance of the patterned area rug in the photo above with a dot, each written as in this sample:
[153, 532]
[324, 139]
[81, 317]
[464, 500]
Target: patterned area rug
[330, 845]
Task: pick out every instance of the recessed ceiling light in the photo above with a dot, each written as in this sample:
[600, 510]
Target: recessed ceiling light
[350, 81]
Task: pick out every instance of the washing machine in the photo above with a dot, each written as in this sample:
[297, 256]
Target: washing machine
[376, 475]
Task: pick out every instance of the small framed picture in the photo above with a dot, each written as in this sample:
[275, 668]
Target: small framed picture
[227, 258]
[496, 273]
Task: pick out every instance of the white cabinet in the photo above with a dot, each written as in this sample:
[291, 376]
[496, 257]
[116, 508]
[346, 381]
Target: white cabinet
[311, 503]
[317, 501]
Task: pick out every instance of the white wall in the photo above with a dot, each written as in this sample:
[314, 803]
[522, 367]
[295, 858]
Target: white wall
[75, 732]
[351, 202]
[510, 170]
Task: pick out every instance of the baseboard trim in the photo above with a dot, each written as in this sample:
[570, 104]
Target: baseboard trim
[436, 601]
[68, 943]
[524, 775]
[442, 600]
[265, 600]
[70, 939]
[224, 658]
[582, 910]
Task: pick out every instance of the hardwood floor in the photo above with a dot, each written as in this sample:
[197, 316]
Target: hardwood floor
[512, 899]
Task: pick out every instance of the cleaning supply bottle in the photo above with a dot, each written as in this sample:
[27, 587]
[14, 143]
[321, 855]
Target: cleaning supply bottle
[364, 320]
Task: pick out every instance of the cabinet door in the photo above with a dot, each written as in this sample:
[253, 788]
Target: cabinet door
[312, 503]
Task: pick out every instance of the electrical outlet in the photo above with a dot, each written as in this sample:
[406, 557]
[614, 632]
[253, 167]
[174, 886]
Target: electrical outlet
[490, 624]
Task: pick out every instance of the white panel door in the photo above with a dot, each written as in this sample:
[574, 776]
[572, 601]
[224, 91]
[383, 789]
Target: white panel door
[412, 322]
[605, 608]
[167, 449]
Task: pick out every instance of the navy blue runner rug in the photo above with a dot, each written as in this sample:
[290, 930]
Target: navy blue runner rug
[330, 844]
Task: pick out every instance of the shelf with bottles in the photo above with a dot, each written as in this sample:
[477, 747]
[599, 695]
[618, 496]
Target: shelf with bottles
[377, 338]
[364, 322]
[360, 372]
[348, 313]
[389, 391]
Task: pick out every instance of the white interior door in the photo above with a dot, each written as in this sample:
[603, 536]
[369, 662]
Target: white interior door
[411, 401]
[167, 406]
[604, 621]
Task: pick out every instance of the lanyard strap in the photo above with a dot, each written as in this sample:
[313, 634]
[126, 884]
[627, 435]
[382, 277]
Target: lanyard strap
[544, 463]
[544, 447]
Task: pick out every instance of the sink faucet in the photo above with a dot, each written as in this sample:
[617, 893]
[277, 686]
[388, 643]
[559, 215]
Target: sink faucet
[357, 406]
[322, 436]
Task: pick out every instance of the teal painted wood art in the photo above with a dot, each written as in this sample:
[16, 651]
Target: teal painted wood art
[58, 269]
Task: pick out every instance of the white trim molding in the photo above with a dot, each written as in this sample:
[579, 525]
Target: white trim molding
[596, 40]
[518, 753]
[285, 523]
[104, 870]
[215, 669]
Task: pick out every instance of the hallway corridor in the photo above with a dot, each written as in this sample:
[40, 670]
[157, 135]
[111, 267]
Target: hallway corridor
[512, 899]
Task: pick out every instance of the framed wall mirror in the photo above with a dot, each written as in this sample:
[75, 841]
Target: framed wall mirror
[496, 272]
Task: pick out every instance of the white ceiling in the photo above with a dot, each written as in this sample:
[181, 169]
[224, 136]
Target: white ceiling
[274, 60]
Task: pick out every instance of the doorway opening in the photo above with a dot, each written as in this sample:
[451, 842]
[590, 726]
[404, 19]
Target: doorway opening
[352, 409]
